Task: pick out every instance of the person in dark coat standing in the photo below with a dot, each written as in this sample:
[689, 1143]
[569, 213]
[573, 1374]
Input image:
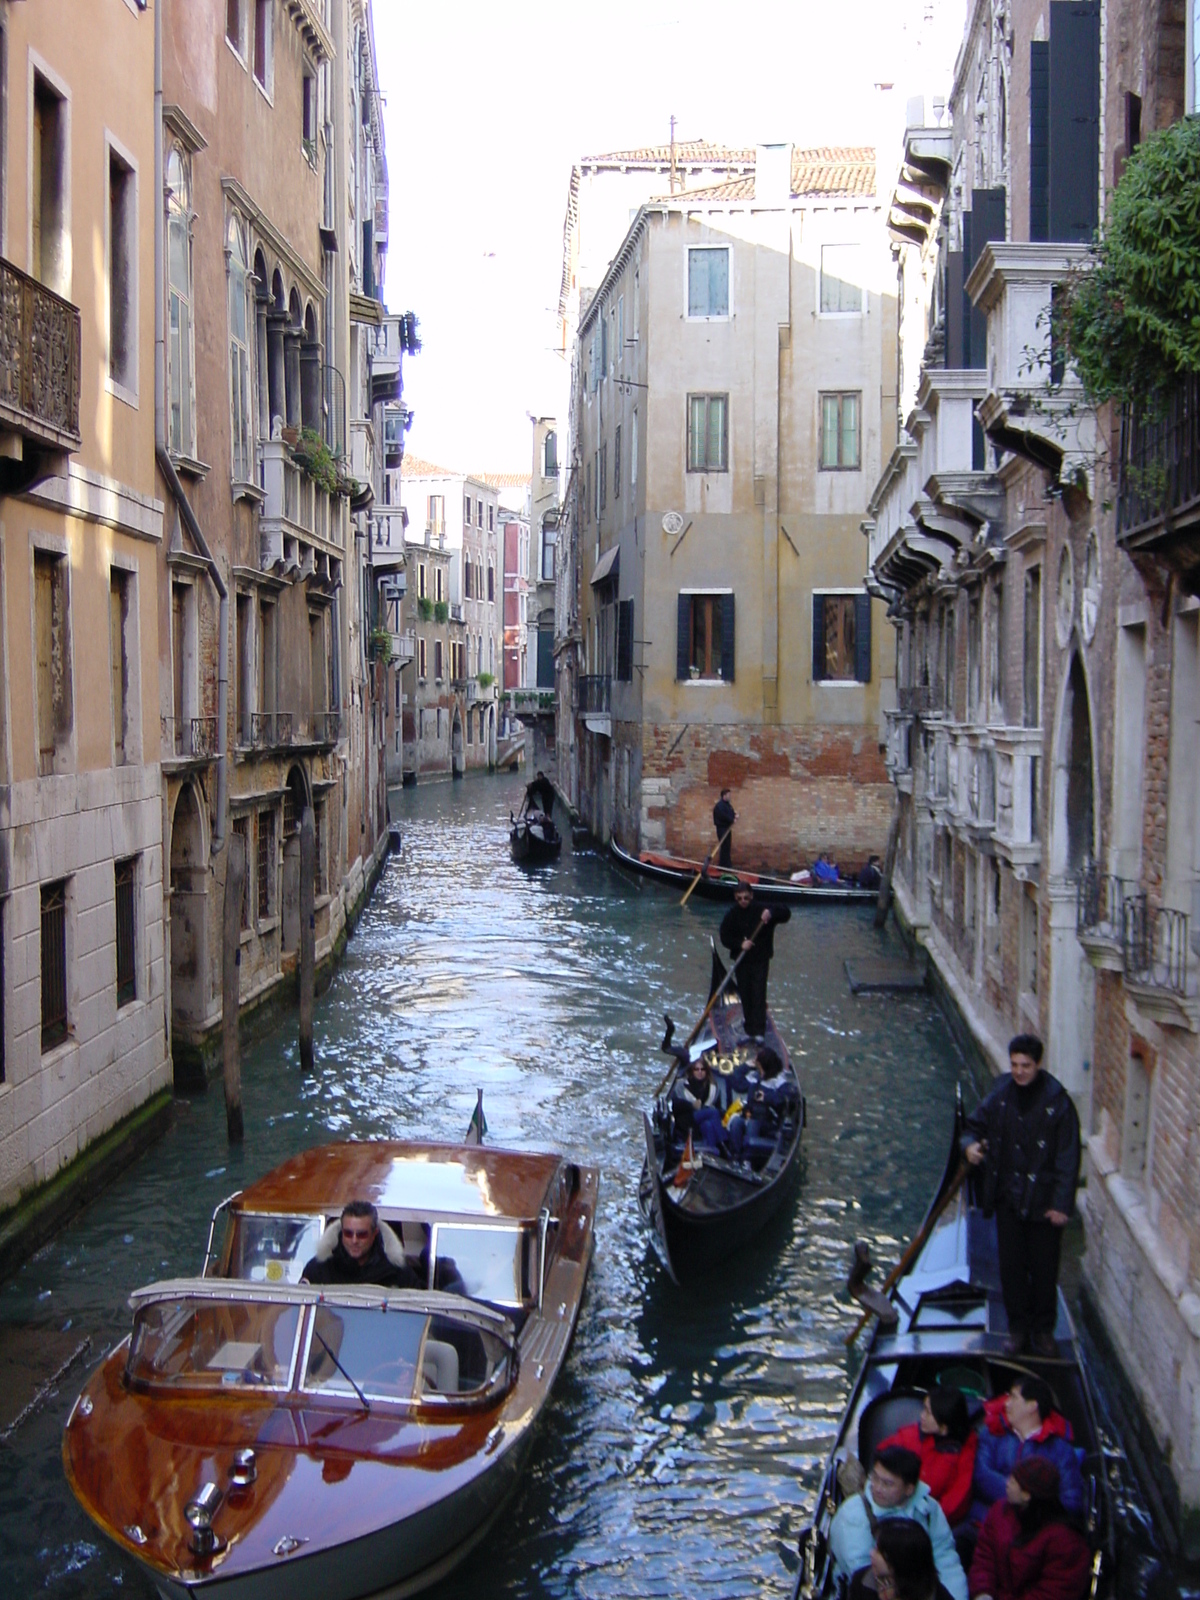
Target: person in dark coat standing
[749, 932]
[724, 817]
[1025, 1136]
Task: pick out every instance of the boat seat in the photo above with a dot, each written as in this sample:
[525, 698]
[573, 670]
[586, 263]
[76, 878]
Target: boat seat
[392, 1248]
[439, 1367]
[885, 1415]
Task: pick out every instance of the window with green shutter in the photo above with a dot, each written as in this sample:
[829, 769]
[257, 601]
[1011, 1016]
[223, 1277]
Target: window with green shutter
[707, 433]
[841, 448]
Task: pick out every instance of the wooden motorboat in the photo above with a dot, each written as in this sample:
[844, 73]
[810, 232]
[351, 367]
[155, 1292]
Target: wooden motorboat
[701, 1205]
[534, 839]
[720, 883]
[947, 1323]
[256, 1436]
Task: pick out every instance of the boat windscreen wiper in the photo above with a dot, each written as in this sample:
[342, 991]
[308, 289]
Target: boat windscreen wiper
[341, 1369]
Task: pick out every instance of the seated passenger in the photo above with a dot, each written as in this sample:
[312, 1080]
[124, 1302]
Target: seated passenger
[946, 1444]
[1027, 1548]
[1017, 1425]
[698, 1101]
[902, 1565]
[766, 1090]
[894, 1489]
[359, 1256]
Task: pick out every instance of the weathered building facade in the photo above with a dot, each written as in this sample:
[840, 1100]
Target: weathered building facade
[733, 396]
[1042, 744]
[544, 516]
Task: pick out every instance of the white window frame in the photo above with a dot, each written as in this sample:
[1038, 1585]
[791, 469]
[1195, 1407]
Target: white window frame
[239, 49]
[694, 249]
[178, 208]
[841, 244]
[265, 84]
[235, 223]
[830, 591]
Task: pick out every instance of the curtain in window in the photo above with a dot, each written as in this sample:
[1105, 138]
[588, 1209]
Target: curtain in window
[239, 357]
[179, 333]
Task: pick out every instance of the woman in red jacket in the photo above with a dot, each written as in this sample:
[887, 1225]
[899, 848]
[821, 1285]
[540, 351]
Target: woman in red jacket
[1027, 1548]
[946, 1445]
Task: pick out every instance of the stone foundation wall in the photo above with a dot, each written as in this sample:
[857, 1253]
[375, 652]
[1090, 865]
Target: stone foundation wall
[799, 791]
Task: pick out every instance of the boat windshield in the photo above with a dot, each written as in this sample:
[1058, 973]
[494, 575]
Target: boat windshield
[491, 1262]
[367, 1351]
[209, 1344]
[270, 1249]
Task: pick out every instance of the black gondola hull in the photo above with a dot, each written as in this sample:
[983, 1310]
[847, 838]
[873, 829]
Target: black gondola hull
[717, 884]
[531, 850]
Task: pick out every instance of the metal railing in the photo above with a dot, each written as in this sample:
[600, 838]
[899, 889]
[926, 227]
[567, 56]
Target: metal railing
[270, 729]
[189, 736]
[1100, 903]
[1160, 460]
[40, 336]
[595, 692]
[1154, 945]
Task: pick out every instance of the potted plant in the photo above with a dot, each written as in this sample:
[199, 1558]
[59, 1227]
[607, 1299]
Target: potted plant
[314, 457]
[441, 610]
[693, 672]
[486, 680]
[425, 608]
[380, 645]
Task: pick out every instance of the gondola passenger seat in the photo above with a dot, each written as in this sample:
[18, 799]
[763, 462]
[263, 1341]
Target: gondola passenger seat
[885, 1415]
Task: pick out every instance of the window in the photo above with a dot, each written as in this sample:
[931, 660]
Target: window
[704, 642]
[264, 43]
[839, 433]
[633, 451]
[50, 257]
[708, 282]
[842, 638]
[421, 659]
[241, 829]
[841, 279]
[708, 433]
[54, 964]
[239, 356]
[468, 569]
[624, 641]
[126, 942]
[308, 116]
[437, 515]
[266, 655]
[549, 539]
[491, 519]
[587, 487]
[1031, 667]
[122, 272]
[437, 660]
[234, 20]
[479, 510]
[550, 456]
[245, 665]
[467, 511]
[421, 581]
[438, 582]
[265, 865]
[180, 399]
[118, 619]
[491, 582]
[617, 463]
[53, 657]
[602, 476]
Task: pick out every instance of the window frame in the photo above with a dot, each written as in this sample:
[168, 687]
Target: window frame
[235, 269]
[123, 386]
[264, 9]
[57, 1030]
[840, 395]
[855, 598]
[180, 215]
[238, 45]
[125, 877]
[706, 432]
[713, 597]
[707, 316]
[839, 313]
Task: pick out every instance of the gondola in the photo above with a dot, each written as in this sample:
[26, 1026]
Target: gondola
[534, 839]
[720, 883]
[256, 1437]
[723, 1203]
[950, 1327]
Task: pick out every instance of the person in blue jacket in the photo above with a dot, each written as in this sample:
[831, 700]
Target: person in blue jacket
[1020, 1424]
[894, 1489]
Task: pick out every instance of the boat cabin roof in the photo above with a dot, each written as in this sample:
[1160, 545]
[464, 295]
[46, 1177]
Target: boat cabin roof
[396, 1177]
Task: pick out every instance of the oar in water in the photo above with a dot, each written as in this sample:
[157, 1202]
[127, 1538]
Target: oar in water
[704, 1015]
[906, 1260]
[704, 866]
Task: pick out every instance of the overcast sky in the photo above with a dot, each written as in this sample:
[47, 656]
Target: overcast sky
[488, 106]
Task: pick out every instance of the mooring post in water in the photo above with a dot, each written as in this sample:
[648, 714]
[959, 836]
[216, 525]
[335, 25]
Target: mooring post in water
[308, 934]
[231, 960]
[889, 866]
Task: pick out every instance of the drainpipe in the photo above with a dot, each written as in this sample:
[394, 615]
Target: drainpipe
[167, 466]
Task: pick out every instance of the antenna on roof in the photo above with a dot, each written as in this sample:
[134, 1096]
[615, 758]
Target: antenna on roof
[672, 153]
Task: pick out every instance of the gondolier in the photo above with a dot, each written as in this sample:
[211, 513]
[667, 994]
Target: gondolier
[724, 817]
[748, 931]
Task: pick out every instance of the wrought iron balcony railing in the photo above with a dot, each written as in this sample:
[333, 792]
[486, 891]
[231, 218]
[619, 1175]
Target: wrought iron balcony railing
[40, 336]
[595, 693]
[1160, 462]
[1154, 945]
[1100, 902]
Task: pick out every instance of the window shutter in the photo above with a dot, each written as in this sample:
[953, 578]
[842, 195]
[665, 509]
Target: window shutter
[625, 641]
[955, 355]
[1074, 119]
[683, 637]
[727, 655]
[986, 223]
[862, 637]
[1039, 141]
[818, 614]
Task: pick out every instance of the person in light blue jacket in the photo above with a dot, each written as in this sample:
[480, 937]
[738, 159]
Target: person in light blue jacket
[894, 1489]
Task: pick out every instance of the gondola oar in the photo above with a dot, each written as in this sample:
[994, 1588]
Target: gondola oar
[704, 1015]
[914, 1249]
[704, 866]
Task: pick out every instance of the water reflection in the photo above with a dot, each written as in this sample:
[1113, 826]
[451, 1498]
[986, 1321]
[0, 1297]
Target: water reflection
[687, 1434]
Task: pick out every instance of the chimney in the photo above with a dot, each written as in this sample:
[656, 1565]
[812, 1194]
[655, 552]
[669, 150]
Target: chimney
[773, 175]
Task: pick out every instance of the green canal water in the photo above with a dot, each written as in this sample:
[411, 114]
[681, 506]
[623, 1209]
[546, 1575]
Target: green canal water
[685, 1441]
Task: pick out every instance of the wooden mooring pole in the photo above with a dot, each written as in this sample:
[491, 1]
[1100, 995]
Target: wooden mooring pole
[308, 935]
[231, 960]
[889, 866]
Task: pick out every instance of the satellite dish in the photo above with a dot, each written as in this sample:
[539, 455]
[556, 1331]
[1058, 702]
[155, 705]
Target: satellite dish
[672, 522]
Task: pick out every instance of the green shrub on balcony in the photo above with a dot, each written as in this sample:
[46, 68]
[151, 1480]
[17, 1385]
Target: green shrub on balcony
[380, 644]
[485, 680]
[1131, 319]
[441, 610]
[425, 608]
[314, 457]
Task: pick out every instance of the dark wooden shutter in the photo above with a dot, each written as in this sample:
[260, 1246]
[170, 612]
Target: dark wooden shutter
[818, 664]
[545, 659]
[984, 223]
[955, 354]
[683, 637]
[862, 637]
[625, 641]
[1039, 141]
[727, 637]
[1074, 119]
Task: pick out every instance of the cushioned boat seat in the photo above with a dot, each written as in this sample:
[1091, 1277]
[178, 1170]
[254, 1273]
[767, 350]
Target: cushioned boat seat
[884, 1416]
[392, 1248]
[440, 1367]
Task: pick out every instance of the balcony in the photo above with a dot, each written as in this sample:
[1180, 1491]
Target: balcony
[388, 547]
[296, 512]
[397, 420]
[188, 738]
[40, 337]
[270, 730]
[915, 698]
[1158, 496]
[456, 611]
[387, 352]
[1155, 953]
[326, 727]
[404, 647]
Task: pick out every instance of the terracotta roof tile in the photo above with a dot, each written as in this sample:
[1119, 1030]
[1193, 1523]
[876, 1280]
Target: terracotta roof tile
[502, 480]
[417, 467]
[691, 152]
[826, 170]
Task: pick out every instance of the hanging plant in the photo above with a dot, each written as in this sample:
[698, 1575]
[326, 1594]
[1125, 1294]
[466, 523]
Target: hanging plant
[314, 457]
[381, 645]
[1131, 319]
[441, 610]
[425, 608]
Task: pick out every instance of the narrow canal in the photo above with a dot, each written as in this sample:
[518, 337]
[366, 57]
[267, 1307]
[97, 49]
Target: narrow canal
[686, 1438]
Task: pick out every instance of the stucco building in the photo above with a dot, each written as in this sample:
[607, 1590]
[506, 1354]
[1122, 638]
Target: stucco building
[733, 397]
[544, 517]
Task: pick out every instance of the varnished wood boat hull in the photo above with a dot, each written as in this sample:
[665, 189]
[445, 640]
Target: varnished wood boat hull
[720, 883]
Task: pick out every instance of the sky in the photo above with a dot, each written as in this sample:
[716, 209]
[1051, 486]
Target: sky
[488, 106]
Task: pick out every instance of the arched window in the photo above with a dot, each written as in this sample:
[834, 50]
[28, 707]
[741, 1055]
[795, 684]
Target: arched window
[239, 354]
[180, 392]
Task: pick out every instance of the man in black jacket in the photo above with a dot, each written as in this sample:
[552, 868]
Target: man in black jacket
[724, 817]
[359, 1256]
[749, 932]
[1025, 1136]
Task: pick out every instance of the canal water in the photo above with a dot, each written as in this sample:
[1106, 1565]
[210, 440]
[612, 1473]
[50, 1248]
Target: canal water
[685, 1442]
